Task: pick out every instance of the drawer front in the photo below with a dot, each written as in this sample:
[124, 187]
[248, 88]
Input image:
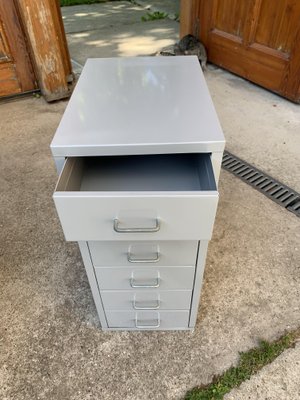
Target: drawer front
[129, 253]
[163, 278]
[96, 216]
[148, 320]
[158, 197]
[146, 299]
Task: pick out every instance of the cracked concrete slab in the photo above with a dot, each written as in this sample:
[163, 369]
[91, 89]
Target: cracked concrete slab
[51, 344]
[279, 380]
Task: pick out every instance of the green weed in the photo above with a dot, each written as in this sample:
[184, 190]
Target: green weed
[154, 16]
[249, 364]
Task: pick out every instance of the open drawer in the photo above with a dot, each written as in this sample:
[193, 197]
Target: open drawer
[143, 197]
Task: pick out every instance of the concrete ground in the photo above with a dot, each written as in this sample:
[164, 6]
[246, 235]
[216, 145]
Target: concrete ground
[51, 346]
[115, 29]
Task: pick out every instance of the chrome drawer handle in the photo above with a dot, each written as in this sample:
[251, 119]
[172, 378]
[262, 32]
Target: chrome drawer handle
[136, 230]
[143, 260]
[133, 284]
[139, 326]
[155, 307]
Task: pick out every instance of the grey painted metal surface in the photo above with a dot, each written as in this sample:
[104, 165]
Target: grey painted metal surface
[139, 214]
[146, 299]
[139, 105]
[90, 271]
[181, 217]
[148, 320]
[162, 278]
[118, 253]
[90, 214]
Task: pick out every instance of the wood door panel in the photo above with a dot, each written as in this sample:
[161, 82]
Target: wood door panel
[276, 24]
[8, 81]
[228, 21]
[251, 65]
[4, 52]
[17, 76]
[257, 39]
[255, 53]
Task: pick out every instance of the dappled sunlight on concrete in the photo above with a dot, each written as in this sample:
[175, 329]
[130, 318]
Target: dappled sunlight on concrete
[97, 16]
[115, 29]
[145, 38]
[140, 45]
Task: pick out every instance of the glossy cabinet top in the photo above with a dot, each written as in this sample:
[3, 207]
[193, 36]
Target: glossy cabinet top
[139, 105]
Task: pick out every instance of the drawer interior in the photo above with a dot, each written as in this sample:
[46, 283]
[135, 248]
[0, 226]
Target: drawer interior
[160, 172]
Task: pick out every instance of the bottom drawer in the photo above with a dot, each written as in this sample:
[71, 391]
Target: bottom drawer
[148, 319]
[146, 299]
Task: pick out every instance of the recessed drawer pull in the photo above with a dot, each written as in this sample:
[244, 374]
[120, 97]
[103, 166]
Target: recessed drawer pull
[154, 307]
[131, 259]
[136, 230]
[134, 284]
[139, 324]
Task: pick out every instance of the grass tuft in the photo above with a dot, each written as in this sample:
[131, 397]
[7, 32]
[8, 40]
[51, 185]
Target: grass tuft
[154, 16]
[249, 364]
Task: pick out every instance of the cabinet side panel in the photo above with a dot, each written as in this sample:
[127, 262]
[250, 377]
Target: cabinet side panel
[93, 282]
[216, 160]
[203, 244]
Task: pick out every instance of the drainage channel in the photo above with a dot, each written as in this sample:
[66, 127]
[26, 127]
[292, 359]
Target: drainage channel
[270, 187]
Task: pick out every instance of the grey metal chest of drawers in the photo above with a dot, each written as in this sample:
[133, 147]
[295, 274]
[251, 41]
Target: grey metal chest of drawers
[139, 152]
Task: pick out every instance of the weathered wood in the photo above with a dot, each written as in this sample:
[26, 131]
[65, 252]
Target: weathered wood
[44, 29]
[16, 72]
[186, 16]
[257, 39]
[8, 81]
[65, 55]
[189, 21]
[291, 81]
[4, 51]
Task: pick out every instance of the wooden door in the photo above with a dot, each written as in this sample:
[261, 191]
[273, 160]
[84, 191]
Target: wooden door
[16, 71]
[256, 39]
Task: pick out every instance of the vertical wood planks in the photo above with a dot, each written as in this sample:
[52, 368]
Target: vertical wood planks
[256, 39]
[44, 29]
[16, 71]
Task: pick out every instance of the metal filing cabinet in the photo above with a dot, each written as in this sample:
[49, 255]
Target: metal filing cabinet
[139, 152]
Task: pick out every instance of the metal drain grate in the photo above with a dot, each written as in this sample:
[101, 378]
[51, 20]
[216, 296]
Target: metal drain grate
[262, 182]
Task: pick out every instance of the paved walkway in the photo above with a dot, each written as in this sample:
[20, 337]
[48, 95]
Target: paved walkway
[116, 29]
[52, 347]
